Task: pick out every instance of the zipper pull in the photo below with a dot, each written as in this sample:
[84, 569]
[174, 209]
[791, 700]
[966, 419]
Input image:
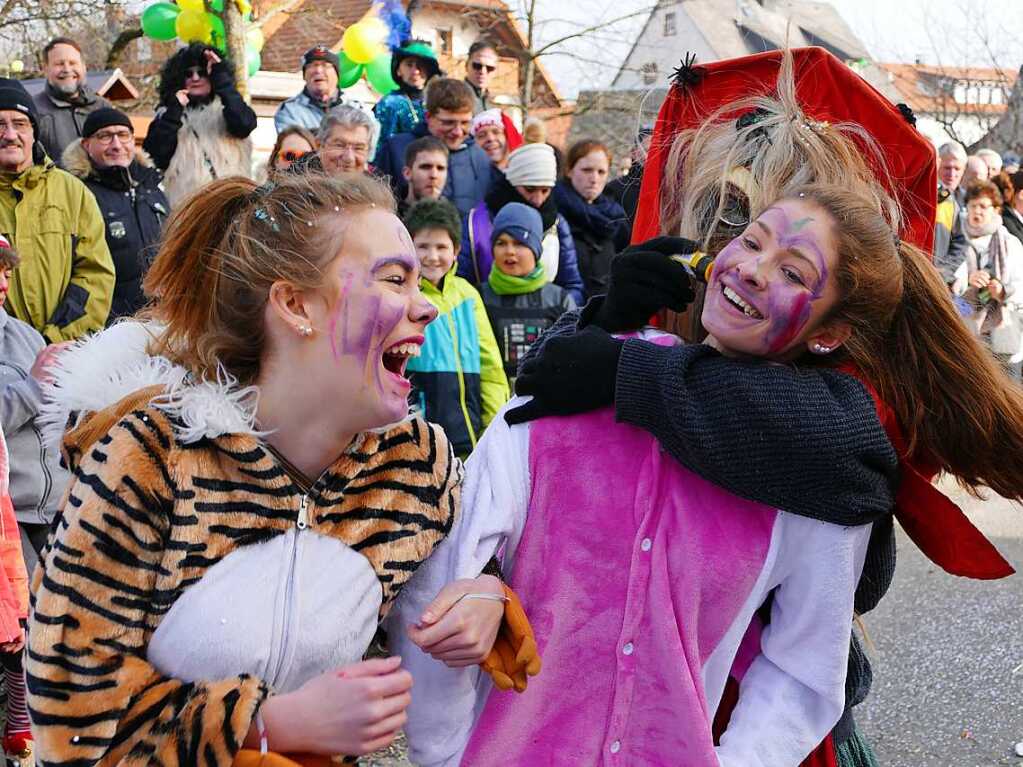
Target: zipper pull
[303, 513]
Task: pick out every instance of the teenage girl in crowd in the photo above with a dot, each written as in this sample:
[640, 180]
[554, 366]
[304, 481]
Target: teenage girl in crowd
[656, 617]
[250, 495]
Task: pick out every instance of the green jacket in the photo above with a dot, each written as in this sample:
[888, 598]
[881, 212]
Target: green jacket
[65, 282]
[458, 379]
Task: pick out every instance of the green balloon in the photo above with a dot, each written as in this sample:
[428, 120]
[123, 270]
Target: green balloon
[350, 72]
[158, 21]
[218, 36]
[217, 5]
[378, 72]
[253, 60]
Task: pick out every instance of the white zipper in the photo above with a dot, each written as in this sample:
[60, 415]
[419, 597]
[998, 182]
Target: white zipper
[303, 513]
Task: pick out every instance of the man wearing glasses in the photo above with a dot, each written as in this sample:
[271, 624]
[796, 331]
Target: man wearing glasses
[479, 70]
[64, 283]
[129, 191]
[448, 118]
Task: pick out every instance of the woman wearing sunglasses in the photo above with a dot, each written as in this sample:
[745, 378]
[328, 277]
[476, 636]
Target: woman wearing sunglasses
[479, 71]
[202, 126]
[293, 143]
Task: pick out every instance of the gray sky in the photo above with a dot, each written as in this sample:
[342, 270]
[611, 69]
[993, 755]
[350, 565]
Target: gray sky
[950, 32]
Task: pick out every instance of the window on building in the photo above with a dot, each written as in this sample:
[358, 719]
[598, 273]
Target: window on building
[144, 49]
[444, 41]
[669, 24]
[649, 72]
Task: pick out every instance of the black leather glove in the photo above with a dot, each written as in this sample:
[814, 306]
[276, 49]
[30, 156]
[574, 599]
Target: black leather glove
[643, 281]
[572, 374]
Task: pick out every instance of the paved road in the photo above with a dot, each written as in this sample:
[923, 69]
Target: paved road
[948, 685]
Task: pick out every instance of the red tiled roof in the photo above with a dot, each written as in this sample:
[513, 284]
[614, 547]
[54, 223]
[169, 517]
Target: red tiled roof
[916, 83]
[290, 34]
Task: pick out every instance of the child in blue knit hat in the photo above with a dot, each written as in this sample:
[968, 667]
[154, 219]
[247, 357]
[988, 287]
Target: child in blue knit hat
[520, 302]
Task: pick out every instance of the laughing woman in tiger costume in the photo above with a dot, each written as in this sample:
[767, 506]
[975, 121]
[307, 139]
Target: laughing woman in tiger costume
[242, 516]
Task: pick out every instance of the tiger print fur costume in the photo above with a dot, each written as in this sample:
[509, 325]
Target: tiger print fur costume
[188, 575]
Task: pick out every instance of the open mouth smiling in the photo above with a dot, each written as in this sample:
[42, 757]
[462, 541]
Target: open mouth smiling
[737, 301]
[395, 359]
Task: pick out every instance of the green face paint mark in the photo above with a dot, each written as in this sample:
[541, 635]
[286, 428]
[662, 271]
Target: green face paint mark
[797, 225]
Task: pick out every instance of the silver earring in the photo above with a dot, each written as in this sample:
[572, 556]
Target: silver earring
[821, 349]
[305, 330]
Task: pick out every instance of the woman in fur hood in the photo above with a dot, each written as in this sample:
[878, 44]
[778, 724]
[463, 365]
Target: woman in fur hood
[251, 497]
[202, 126]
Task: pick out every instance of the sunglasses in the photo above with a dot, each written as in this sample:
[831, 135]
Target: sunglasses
[479, 66]
[293, 155]
[195, 72]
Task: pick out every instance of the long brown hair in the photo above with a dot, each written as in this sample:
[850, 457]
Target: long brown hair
[954, 402]
[224, 249]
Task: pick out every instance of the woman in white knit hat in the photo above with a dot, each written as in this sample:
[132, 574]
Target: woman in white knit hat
[529, 179]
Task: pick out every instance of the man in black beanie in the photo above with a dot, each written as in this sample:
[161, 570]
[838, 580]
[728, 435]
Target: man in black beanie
[321, 68]
[129, 190]
[65, 280]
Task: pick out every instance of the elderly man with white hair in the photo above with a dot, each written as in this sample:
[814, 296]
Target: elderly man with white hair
[949, 241]
[348, 137]
[992, 159]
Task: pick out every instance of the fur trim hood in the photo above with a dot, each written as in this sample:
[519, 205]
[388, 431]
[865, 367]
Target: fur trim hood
[93, 377]
[75, 159]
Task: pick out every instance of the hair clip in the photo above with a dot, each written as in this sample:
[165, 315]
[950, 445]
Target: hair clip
[261, 215]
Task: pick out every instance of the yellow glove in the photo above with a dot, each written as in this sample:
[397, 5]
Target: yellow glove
[514, 656]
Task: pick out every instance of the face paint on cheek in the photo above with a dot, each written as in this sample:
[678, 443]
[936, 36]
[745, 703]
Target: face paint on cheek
[789, 314]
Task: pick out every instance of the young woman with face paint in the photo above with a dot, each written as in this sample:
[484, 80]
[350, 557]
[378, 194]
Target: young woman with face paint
[251, 494]
[646, 596]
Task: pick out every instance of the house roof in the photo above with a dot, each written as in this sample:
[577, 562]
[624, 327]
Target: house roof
[110, 83]
[305, 23]
[925, 87]
[734, 28]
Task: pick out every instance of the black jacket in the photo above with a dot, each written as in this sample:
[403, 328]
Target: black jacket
[134, 209]
[625, 190]
[1013, 222]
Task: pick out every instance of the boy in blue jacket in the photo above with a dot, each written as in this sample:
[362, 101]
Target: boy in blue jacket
[458, 381]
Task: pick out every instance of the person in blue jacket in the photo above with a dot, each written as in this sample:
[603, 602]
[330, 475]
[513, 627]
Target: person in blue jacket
[471, 175]
[413, 65]
[529, 178]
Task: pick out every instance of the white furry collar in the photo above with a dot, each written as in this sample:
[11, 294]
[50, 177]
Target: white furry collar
[103, 369]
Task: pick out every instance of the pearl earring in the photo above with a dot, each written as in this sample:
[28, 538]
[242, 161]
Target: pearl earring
[821, 349]
[305, 330]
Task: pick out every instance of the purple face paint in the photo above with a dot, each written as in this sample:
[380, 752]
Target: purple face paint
[785, 305]
[789, 304]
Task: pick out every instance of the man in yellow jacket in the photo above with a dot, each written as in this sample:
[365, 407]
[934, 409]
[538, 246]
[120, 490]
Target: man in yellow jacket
[65, 282]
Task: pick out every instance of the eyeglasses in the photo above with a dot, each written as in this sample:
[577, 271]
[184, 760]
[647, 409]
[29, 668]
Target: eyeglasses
[20, 125]
[979, 206]
[293, 155]
[195, 72]
[479, 66]
[359, 150]
[105, 137]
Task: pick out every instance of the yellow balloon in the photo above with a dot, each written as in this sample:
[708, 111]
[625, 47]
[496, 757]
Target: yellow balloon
[359, 45]
[192, 5]
[192, 26]
[255, 39]
[244, 6]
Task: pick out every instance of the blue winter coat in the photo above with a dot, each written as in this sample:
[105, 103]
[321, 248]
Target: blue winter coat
[470, 172]
[305, 111]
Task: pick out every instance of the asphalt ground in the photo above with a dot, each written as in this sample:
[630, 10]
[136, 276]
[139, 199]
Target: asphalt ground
[948, 657]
